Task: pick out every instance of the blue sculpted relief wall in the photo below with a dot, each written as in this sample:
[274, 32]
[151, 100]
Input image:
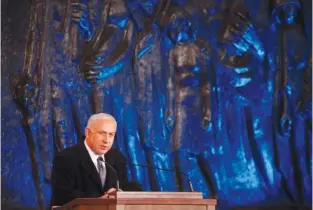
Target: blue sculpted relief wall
[219, 90]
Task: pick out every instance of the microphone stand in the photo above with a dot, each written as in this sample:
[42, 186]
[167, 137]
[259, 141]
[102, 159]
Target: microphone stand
[117, 180]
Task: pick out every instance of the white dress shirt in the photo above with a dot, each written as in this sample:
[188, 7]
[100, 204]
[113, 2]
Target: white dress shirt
[94, 156]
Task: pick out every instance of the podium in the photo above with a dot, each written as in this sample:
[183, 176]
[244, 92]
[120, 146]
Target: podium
[144, 201]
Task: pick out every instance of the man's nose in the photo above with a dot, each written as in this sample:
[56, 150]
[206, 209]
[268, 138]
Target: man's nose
[105, 138]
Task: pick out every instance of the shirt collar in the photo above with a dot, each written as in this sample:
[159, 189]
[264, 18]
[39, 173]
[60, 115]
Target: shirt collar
[92, 154]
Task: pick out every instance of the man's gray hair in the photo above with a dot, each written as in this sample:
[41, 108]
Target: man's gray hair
[100, 116]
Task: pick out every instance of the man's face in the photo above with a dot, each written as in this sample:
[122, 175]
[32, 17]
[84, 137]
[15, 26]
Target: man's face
[100, 136]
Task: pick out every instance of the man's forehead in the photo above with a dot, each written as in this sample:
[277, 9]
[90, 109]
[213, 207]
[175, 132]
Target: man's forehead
[103, 123]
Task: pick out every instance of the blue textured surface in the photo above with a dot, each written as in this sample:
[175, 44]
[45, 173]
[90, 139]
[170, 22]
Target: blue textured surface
[218, 90]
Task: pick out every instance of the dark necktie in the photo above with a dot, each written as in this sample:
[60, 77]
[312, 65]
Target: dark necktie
[101, 170]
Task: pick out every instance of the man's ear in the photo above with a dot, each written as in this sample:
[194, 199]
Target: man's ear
[86, 132]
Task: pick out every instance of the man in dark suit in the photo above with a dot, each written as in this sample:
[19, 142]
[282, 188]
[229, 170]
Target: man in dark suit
[84, 169]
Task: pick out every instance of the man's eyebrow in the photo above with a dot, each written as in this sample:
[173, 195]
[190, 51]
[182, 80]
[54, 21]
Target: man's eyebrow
[107, 132]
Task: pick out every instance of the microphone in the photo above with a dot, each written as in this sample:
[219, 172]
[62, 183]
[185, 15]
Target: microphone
[117, 180]
[168, 169]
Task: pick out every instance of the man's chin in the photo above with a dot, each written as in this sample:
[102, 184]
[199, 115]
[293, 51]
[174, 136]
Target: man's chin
[103, 151]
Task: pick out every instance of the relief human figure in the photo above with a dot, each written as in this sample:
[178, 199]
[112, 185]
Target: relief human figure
[292, 59]
[189, 88]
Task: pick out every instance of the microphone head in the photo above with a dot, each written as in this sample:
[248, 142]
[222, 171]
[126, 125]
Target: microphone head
[100, 158]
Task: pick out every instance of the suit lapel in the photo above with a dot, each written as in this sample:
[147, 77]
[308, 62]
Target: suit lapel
[89, 166]
[109, 182]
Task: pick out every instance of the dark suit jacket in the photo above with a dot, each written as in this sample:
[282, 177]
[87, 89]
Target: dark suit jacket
[74, 175]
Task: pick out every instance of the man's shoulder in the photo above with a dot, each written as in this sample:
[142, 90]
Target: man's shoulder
[114, 152]
[114, 156]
